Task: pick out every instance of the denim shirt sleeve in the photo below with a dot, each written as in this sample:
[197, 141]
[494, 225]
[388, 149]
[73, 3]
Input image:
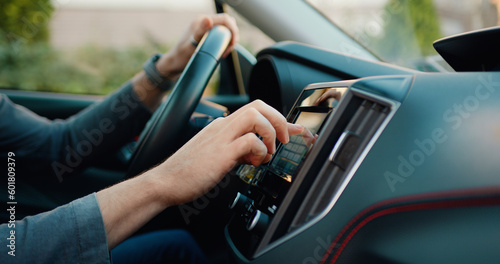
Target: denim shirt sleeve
[72, 233]
[55, 149]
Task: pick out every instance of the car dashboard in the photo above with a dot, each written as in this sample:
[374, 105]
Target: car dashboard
[403, 163]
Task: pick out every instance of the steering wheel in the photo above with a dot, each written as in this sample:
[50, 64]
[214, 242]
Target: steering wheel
[164, 131]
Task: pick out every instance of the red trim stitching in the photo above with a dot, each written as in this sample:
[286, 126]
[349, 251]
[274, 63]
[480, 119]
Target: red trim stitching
[422, 206]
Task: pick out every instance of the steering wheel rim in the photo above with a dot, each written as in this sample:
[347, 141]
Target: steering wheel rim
[159, 137]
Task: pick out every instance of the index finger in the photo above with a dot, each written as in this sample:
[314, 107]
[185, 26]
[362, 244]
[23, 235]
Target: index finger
[275, 118]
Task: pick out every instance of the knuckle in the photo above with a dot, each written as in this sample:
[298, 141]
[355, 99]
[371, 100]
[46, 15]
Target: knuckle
[249, 140]
[217, 121]
[252, 113]
[258, 102]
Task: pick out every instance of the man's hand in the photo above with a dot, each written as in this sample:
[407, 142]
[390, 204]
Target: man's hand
[172, 63]
[195, 168]
[206, 158]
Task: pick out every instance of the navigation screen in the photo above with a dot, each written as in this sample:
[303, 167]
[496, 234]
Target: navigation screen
[289, 156]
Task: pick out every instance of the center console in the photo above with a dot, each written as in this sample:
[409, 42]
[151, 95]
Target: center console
[305, 176]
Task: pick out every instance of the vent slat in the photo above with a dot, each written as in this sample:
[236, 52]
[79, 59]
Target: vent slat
[360, 127]
[358, 116]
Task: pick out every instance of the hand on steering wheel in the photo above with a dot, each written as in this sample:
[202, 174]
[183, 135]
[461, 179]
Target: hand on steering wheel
[164, 132]
[172, 63]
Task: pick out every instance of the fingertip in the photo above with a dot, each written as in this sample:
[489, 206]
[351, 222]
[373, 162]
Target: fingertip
[294, 129]
[226, 53]
[299, 127]
[267, 158]
[257, 161]
[272, 149]
[234, 41]
[286, 139]
[229, 49]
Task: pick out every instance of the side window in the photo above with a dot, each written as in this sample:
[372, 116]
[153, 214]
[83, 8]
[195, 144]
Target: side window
[401, 31]
[86, 47]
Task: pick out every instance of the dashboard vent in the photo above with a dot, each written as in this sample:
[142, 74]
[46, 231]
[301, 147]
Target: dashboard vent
[358, 129]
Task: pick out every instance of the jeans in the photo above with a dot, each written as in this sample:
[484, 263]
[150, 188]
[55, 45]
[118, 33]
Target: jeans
[166, 246]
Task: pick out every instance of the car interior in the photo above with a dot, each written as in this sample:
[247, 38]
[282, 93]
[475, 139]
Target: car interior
[402, 169]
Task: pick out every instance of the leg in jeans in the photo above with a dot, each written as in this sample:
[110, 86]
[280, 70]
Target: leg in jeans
[167, 246]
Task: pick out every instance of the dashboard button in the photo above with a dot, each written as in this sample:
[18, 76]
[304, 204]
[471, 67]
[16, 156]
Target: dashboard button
[258, 223]
[240, 203]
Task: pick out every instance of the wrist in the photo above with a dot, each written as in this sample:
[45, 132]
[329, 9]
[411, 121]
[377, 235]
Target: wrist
[166, 67]
[160, 186]
[158, 73]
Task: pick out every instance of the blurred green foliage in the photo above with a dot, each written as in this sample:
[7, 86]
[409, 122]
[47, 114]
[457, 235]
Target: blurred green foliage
[106, 68]
[426, 24]
[28, 62]
[25, 20]
[89, 70]
[410, 28]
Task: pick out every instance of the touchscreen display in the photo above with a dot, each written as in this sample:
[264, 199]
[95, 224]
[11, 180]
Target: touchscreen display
[311, 110]
[289, 156]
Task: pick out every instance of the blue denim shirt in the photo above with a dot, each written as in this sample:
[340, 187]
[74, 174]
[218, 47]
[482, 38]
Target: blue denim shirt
[72, 233]
[56, 149]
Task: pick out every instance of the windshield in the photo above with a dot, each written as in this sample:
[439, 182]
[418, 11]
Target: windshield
[402, 31]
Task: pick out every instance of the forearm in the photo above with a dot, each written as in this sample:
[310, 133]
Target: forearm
[193, 169]
[62, 147]
[127, 206]
[96, 132]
